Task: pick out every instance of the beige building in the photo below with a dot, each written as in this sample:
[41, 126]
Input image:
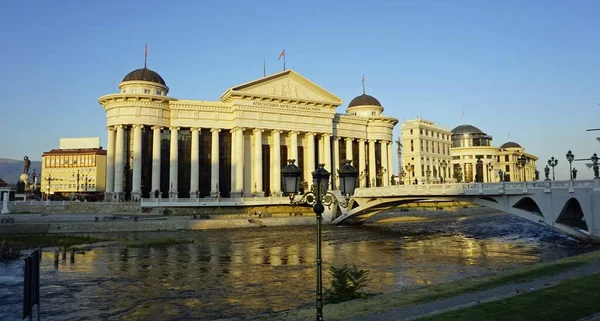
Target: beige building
[77, 169]
[237, 145]
[474, 159]
[426, 152]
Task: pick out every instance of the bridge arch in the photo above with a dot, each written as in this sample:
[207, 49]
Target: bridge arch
[529, 205]
[572, 215]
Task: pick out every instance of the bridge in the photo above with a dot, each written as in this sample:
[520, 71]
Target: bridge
[570, 207]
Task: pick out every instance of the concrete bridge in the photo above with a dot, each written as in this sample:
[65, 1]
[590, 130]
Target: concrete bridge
[570, 207]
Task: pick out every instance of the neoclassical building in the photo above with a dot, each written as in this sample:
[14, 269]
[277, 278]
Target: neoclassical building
[470, 144]
[236, 146]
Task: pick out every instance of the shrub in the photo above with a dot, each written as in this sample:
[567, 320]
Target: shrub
[7, 252]
[346, 283]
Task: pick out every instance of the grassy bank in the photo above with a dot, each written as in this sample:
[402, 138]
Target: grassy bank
[389, 301]
[29, 241]
[570, 300]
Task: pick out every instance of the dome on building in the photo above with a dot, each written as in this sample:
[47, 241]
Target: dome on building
[364, 100]
[510, 145]
[466, 129]
[145, 74]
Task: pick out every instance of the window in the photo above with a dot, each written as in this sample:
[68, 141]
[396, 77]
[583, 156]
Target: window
[123, 90]
[146, 91]
[507, 168]
[159, 92]
[421, 131]
[411, 131]
[133, 91]
[412, 147]
[372, 113]
[506, 158]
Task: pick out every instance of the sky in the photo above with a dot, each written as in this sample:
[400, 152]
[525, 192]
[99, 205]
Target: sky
[524, 71]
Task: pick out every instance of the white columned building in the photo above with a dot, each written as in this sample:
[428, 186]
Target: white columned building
[160, 146]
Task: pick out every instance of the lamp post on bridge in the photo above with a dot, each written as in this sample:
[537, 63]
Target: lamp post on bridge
[317, 198]
[594, 159]
[552, 162]
[410, 168]
[444, 165]
[522, 161]
[570, 157]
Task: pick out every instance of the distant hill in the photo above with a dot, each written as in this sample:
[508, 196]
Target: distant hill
[11, 169]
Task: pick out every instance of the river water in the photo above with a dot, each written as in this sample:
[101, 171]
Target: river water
[244, 272]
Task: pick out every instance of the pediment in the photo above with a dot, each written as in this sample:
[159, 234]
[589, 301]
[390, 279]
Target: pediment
[287, 85]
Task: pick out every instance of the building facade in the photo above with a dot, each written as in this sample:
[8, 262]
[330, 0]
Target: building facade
[76, 170]
[160, 146]
[426, 152]
[474, 159]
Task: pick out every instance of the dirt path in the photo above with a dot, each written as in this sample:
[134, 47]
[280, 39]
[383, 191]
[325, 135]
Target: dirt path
[470, 299]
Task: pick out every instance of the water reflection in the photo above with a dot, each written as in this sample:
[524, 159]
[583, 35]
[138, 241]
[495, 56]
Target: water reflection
[241, 272]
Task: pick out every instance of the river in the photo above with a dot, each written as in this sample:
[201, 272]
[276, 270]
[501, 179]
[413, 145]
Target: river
[243, 272]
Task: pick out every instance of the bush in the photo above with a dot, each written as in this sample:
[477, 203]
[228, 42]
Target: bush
[346, 283]
[7, 252]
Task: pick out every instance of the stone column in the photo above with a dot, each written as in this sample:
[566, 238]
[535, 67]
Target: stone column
[214, 162]
[372, 169]
[348, 148]
[276, 164]
[384, 180]
[336, 161]
[293, 154]
[239, 162]
[136, 190]
[362, 163]
[110, 164]
[258, 179]
[234, 147]
[327, 156]
[195, 163]
[310, 161]
[174, 160]
[389, 161]
[155, 161]
[118, 193]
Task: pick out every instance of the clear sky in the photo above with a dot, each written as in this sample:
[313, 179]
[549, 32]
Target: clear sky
[528, 70]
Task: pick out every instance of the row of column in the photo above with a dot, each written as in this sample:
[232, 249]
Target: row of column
[116, 160]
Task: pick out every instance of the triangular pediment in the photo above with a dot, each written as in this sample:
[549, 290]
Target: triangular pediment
[284, 85]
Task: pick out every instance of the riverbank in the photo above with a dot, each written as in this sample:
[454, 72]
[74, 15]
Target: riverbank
[431, 300]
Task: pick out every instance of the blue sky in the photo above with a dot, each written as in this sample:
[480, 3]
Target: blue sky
[528, 69]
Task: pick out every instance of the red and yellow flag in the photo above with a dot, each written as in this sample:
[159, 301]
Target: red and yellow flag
[282, 54]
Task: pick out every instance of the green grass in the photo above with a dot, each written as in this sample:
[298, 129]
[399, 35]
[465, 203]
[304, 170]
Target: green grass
[46, 240]
[161, 243]
[405, 298]
[570, 300]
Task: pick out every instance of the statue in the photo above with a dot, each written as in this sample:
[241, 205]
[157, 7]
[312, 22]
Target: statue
[596, 170]
[27, 164]
[547, 172]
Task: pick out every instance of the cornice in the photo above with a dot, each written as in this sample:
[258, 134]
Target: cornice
[125, 97]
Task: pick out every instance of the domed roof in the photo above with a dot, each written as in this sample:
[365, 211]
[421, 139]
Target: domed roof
[364, 99]
[466, 129]
[145, 74]
[510, 145]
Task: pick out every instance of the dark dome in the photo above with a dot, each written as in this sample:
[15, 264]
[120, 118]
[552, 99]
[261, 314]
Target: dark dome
[466, 129]
[510, 145]
[364, 100]
[145, 74]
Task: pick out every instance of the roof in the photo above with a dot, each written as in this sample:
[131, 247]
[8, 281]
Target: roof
[364, 100]
[3, 183]
[466, 129]
[510, 145]
[94, 151]
[144, 74]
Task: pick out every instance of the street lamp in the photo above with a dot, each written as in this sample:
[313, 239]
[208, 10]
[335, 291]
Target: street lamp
[443, 165]
[49, 179]
[522, 161]
[570, 158]
[317, 198]
[380, 172]
[552, 162]
[410, 168]
[595, 159]
[77, 178]
[489, 167]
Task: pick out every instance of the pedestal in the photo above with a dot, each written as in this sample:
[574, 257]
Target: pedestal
[5, 204]
[136, 196]
[118, 196]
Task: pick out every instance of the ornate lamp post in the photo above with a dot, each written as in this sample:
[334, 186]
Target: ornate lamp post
[443, 166]
[570, 158]
[522, 161]
[76, 177]
[317, 198]
[552, 162]
[595, 159]
[49, 179]
[410, 168]
[489, 168]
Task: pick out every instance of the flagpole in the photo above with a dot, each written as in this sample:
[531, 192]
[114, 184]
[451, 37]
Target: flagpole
[284, 60]
[145, 54]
